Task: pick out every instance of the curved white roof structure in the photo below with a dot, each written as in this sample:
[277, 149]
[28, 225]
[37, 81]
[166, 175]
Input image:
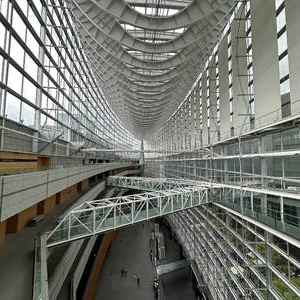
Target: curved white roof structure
[147, 53]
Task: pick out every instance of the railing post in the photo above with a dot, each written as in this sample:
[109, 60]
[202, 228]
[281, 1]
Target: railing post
[159, 203]
[132, 211]
[69, 226]
[94, 221]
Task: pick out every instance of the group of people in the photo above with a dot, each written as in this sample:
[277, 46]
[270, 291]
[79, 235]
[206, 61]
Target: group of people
[135, 277]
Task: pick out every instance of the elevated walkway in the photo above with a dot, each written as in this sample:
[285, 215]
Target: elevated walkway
[230, 197]
[152, 184]
[94, 217]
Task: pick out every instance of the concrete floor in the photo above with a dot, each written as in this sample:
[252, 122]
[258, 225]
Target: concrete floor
[16, 258]
[131, 251]
[176, 286]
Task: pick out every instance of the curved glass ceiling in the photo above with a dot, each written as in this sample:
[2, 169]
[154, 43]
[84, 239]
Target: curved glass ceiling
[161, 8]
[148, 51]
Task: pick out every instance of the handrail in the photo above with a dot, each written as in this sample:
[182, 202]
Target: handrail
[223, 193]
[97, 216]
[40, 276]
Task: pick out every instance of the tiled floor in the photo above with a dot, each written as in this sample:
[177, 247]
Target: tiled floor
[16, 258]
[131, 251]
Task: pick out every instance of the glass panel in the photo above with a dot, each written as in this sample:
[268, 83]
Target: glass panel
[2, 35]
[27, 115]
[17, 52]
[30, 67]
[14, 79]
[29, 90]
[12, 107]
[19, 25]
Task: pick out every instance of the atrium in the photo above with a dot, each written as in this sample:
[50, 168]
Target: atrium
[130, 112]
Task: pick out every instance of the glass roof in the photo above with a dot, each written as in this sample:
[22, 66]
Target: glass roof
[161, 8]
[149, 51]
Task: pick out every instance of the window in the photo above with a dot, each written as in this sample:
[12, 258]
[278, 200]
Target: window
[283, 58]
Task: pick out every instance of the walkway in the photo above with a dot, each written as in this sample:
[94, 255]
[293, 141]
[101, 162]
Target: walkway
[16, 258]
[17, 252]
[129, 251]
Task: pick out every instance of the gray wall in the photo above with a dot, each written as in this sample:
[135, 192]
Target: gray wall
[22, 191]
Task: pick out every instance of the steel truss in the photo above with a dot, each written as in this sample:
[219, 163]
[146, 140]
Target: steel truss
[231, 195]
[153, 184]
[94, 217]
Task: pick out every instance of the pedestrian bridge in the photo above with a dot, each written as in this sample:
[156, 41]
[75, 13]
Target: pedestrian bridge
[153, 184]
[161, 197]
[98, 216]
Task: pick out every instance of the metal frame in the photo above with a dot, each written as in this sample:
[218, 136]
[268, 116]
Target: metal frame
[94, 217]
[67, 92]
[126, 61]
[228, 195]
[153, 184]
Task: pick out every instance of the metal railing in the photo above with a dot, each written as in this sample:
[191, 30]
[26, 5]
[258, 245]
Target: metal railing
[229, 195]
[98, 216]
[40, 276]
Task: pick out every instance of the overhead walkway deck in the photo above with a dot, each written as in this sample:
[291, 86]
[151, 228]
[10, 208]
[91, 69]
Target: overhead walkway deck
[229, 196]
[152, 184]
[164, 196]
[94, 217]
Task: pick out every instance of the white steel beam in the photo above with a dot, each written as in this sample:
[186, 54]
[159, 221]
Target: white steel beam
[94, 217]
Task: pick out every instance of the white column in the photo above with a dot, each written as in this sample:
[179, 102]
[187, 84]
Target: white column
[224, 91]
[204, 111]
[292, 9]
[241, 117]
[265, 62]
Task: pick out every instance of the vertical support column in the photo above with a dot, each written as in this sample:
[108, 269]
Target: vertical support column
[193, 120]
[204, 111]
[194, 162]
[181, 129]
[281, 211]
[265, 62]
[142, 159]
[197, 120]
[225, 164]
[5, 70]
[239, 74]
[263, 161]
[292, 9]
[213, 102]
[40, 75]
[263, 166]
[251, 201]
[224, 91]
[268, 256]
[177, 118]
